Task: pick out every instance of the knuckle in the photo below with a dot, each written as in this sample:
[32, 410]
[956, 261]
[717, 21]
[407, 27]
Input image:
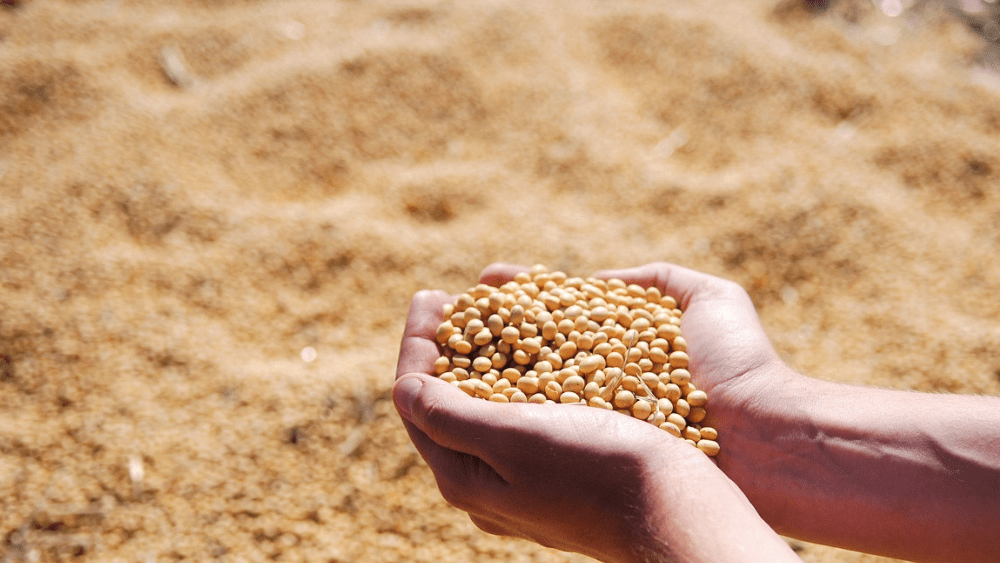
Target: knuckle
[456, 493]
[435, 413]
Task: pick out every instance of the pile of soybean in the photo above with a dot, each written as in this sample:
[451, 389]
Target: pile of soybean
[548, 338]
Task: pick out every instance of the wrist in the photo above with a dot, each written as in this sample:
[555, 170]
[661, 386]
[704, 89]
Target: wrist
[694, 513]
[712, 521]
[754, 419]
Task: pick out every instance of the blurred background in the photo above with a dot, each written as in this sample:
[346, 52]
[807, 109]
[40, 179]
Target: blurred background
[213, 214]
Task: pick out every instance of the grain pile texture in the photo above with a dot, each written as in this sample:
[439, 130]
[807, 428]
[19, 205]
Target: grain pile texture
[213, 215]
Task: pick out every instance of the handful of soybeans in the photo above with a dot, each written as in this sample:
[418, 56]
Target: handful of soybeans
[548, 338]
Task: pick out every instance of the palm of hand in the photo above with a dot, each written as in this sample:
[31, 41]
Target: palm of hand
[731, 357]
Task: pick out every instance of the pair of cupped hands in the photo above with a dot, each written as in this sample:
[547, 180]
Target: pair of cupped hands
[583, 479]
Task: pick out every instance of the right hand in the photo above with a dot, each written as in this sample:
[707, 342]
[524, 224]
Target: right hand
[731, 357]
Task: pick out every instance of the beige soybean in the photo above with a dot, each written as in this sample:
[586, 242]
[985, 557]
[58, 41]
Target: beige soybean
[481, 364]
[564, 374]
[553, 390]
[642, 410]
[544, 378]
[657, 418]
[574, 383]
[630, 383]
[531, 345]
[592, 363]
[567, 350]
[498, 360]
[669, 332]
[650, 379]
[677, 420]
[481, 388]
[511, 374]
[679, 359]
[624, 399]
[569, 397]
[441, 365]
[549, 330]
[682, 407]
[495, 324]
[692, 433]
[665, 406]
[554, 359]
[528, 330]
[599, 377]
[521, 357]
[672, 392]
[697, 398]
[444, 331]
[671, 428]
[615, 359]
[680, 377]
[473, 326]
[516, 315]
[710, 447]
[697, 414]
[510, 334]
[659, 355]
[529, 385]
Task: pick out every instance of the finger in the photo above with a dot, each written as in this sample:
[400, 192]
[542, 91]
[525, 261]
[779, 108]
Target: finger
[419, 349]
[448, 416]
[496, 433]
[677, 281]
[465, 480]
[499, 273]
[454, 421]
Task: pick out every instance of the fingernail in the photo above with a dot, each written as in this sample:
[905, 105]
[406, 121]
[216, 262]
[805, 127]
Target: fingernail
[405, 395]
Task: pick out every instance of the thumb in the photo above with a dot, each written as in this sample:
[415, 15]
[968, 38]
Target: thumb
[446, 415]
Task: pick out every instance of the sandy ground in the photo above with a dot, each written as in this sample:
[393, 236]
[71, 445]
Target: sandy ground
[213, 215]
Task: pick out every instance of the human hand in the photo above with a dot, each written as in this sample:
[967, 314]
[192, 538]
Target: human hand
[569, 477]
[731, 357]
[854, 467]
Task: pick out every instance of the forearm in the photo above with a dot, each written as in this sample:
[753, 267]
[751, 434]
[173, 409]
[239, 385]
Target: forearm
[722, 527]
[908, 475]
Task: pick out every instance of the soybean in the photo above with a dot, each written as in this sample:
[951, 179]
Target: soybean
[547, 338]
